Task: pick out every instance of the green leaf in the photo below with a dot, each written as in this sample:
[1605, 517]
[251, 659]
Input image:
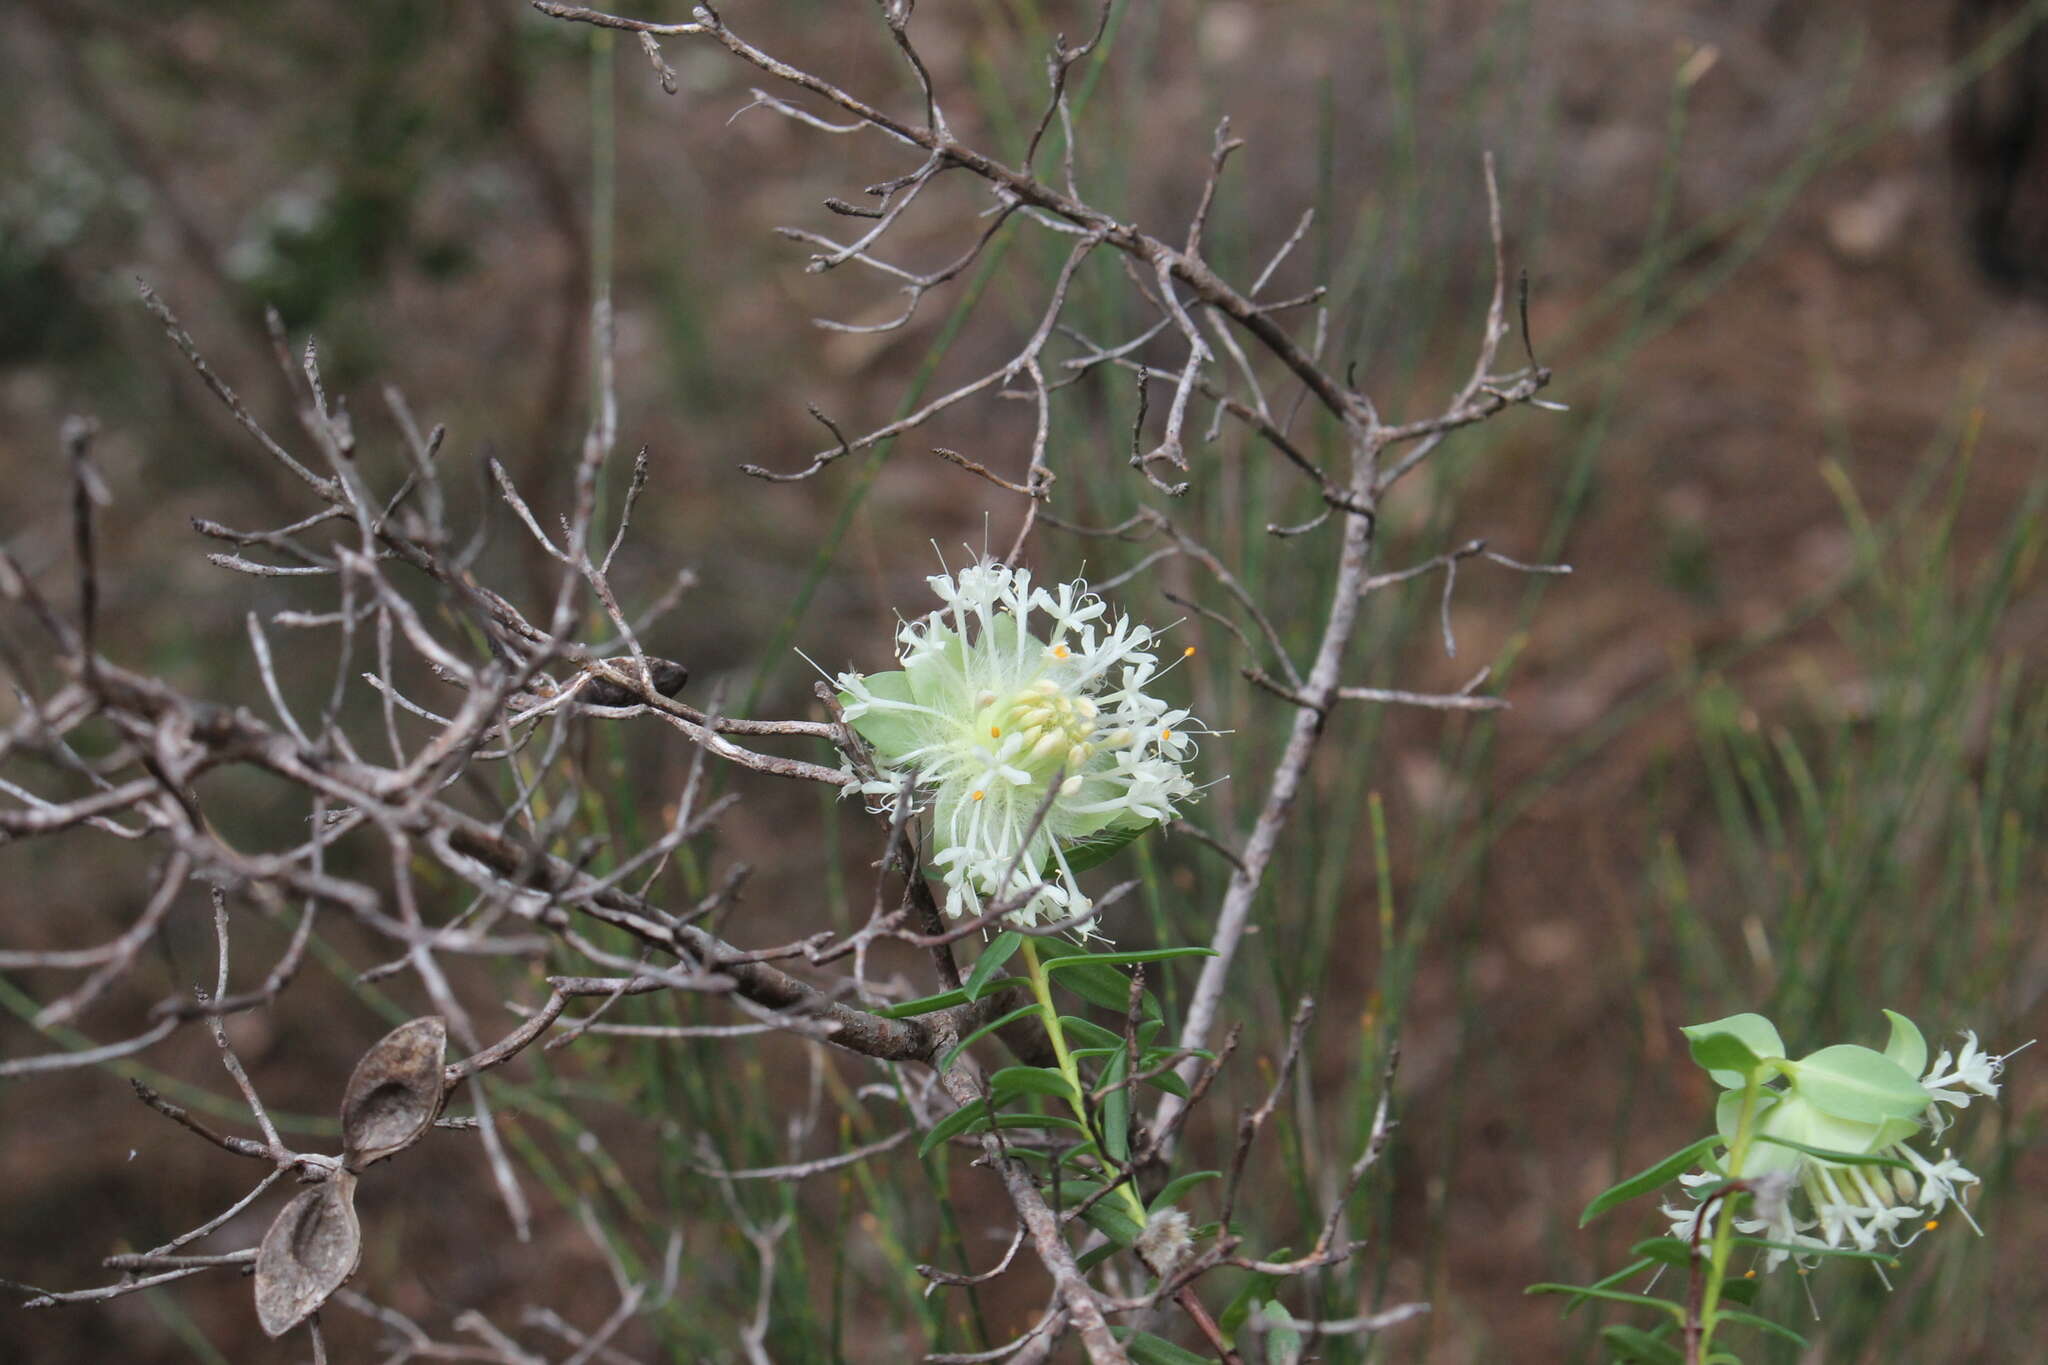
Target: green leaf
[1621, 1276]
[1612, 1295]
[1127, 958]
[1091, 1033]
[1028, 1080]
[1105, 988]
[1116, 1109]
[1763, 1325]
[974, 1118]
[991, 960]
[1038, 1121]
[1642, 1182]
[1757, 1033]
[1168, 1081]
[1178, 1186]
[1664, 1250]
[1095, 978]
[1147, 1349]
[930, 1004]
[1256, 1288]
[954, 1123]
[1107, 1216]
[889, 732]
[1906, 1046]
[1854, 1083]
[1012, 1017]
[1095, 849]
[1638, 1347]
[1089, 1260]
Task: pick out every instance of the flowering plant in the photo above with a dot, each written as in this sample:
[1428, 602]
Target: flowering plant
[1812, 1159]
[1835, 1126]
[1035, 755]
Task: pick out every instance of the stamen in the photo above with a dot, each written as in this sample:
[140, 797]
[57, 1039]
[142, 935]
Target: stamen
[976, 796]
[1188, 653]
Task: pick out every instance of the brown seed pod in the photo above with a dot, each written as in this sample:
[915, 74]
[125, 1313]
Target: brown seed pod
[669, 677]
[395, 1092]
[311, 1249]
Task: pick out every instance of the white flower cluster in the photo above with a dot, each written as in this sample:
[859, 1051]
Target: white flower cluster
[1844, 1204]
[989, 724]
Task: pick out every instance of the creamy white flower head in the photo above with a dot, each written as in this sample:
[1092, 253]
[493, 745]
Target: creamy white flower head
[991, 720]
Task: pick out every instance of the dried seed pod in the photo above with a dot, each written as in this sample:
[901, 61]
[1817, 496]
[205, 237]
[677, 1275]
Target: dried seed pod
[395, 1092]
[310, 1250]
[669, 677]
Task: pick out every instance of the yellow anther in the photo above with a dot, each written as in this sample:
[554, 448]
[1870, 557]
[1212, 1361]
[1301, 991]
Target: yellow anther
[976, 796]
[1931, 1224]
[1188, 653]
[1166, 734]
[995, 732]
[1059, 651]
[1749, 1274]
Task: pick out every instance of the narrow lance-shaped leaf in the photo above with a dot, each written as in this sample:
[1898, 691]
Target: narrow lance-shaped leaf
[1642, 1182]
[990, 962]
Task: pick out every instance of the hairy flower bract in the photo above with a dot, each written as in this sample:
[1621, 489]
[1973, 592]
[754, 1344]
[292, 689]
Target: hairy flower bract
[1015, 700]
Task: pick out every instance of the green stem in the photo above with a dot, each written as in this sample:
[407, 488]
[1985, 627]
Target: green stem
[1041, 986]
[1724, 1226]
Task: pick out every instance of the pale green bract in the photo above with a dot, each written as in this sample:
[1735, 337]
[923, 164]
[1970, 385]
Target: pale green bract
[1847, 1099]
[988, 721]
